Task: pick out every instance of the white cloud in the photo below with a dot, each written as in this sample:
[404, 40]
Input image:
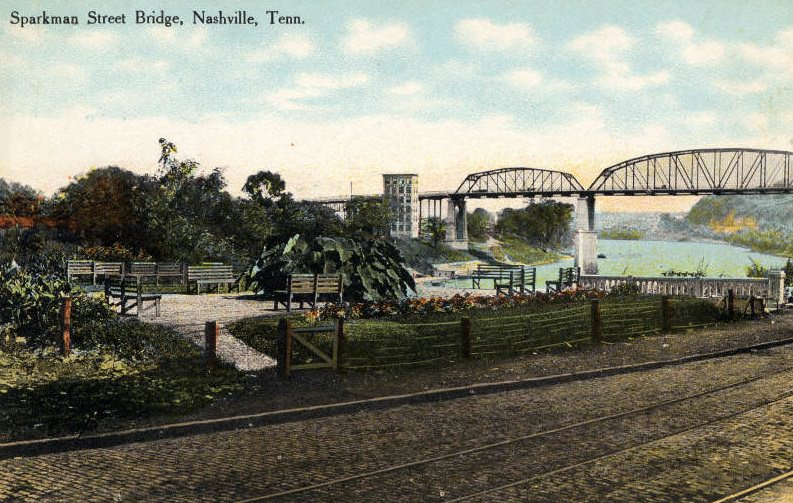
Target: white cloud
[140, 65]
[483, 33]
[25, 35]
[776, 58]
[289, 46]
[96, 39]
[704, 52]
[741, 87]
[607, 47]
[524, 79]
[163, 35]
[758, 121]
[310, 86]
[364, 37]
[69, 71]
[324, 81]
[700, 119]
[406, 88]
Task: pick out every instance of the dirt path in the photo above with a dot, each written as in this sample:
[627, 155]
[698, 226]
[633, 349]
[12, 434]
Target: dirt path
[187, 314]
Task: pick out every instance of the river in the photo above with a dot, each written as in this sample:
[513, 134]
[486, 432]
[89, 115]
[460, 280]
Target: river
[651, 258]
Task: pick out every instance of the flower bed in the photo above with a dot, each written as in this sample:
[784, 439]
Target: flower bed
[456, 304]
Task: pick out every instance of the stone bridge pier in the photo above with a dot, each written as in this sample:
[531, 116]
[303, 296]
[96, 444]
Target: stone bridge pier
[586, 239]
[456, 224]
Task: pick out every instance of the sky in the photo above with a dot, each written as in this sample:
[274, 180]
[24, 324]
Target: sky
[441, 89]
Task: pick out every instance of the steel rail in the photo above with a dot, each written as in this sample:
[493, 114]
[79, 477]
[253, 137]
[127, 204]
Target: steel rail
[540, 434]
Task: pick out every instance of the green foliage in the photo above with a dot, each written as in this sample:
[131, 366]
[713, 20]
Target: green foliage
[516, 250]
[433, 229]
[115, 253]
[131, 371]
[788, 270]
[368, 217]
[709, 209]
[545, 224]
[621, 234]
[624, 290]
[371, 268]
[31, 304]
[764, 241]
[700, 272]
[19, 200]
[478, 225]
[421, 256]
[756, 269]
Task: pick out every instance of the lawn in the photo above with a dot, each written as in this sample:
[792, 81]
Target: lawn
[141, 371]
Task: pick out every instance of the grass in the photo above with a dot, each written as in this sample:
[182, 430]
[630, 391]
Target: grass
[421, 256]
[622, 234]
[148, 371]
[517, 250]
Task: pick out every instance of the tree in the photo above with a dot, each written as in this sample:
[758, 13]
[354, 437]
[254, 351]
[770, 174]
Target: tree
[545, 224]
[368, 217]
[265, 188]
[434, 228]
[478, 224]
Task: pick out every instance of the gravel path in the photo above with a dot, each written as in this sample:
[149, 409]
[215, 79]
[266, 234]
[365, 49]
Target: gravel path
[187, 314]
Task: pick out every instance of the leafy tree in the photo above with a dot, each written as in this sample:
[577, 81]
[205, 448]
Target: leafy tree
[19, 200]
[368, 217]
[545, 224]
[265, 188]
[478, 224]
[372, 269]
[434, 230]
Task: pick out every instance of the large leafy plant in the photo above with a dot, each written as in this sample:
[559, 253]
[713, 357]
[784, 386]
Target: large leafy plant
[372, 269]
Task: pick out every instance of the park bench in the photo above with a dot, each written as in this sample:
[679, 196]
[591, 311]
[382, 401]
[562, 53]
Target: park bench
[211, 274]
[308, 288]
[506, 278]
[157, 270]
[568, 277]
[129, 294]
[92, 268]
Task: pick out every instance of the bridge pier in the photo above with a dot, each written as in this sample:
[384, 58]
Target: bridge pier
[456, 224]
[586, 239]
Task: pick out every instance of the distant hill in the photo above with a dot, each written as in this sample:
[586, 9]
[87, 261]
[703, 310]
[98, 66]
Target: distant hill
[731, 214]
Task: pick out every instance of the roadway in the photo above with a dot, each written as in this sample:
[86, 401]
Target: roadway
[694, 432]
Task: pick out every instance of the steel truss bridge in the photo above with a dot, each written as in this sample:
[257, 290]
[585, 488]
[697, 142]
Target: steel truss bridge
[686, 172]
[697, 172]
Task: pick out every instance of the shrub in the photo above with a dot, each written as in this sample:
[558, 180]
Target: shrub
[624, 290]
[31, 304]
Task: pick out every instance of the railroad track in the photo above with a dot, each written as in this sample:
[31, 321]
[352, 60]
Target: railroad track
[290, 493]
[756, 488]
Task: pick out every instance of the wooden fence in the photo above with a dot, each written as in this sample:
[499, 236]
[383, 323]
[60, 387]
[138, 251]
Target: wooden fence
[493, 336]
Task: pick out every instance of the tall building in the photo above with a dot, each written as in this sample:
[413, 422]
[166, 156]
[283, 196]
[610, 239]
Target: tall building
[402, 192]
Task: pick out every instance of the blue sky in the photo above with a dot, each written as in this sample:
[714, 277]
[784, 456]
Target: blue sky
[440, 88]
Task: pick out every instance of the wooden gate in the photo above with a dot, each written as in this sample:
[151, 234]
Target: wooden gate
[288, 337]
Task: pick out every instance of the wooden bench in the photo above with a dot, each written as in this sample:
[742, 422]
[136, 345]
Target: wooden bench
[506, 278]
[129, 293]
[211, 274]
[308, 288]
[158, 270]
[92, 268]
[568, 277]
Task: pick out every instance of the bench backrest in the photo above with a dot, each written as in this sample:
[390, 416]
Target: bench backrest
[170, 268]
[116, 286]
[518, 272]
[143, 268]
[309, 283]
[568, 275]
[209, 272]
[109, 267]
[77, 267]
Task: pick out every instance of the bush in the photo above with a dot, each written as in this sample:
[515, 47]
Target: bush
[624, 290]
[31, 304]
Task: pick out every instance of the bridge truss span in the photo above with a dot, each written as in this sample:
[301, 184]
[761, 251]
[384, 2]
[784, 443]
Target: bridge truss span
[517, 182]
[701, 171]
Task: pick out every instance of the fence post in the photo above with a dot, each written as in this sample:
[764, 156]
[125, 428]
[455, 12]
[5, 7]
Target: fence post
[465, 333]
[338, 344]
[597, 322]
[285, 347]
[211, 337]
[731, 304]
[66, 318]
[666, 314]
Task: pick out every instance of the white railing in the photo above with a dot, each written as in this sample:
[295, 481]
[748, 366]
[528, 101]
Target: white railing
[767, 288]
